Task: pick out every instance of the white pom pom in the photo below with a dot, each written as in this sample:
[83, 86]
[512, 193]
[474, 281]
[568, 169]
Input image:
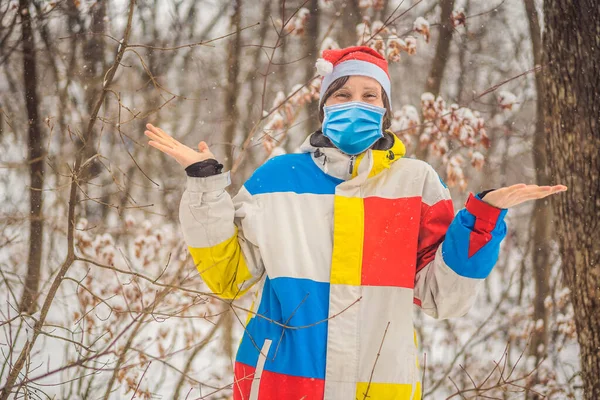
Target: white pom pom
[324, 67]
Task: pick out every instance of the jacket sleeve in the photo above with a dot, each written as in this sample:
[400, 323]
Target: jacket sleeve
[220, 234]
[455, 253]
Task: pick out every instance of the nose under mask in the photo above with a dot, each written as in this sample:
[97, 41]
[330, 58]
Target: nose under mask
[353, 127]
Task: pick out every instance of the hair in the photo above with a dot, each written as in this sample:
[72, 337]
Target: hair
[338, 84]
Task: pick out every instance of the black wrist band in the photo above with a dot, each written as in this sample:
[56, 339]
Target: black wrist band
[202, 169]
[481, 194]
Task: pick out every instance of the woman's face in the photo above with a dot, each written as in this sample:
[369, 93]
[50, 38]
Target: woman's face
[358, 88]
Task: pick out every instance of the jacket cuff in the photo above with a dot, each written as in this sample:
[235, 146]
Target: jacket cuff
[209, 183]
[204, 168]
[487, 216]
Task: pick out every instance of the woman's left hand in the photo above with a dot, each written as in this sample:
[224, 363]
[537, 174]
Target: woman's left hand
[516, 194]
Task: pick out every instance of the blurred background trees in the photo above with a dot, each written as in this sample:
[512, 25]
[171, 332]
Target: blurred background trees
[98, 295]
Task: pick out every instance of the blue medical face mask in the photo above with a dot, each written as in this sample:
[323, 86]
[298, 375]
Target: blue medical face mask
[353, 127]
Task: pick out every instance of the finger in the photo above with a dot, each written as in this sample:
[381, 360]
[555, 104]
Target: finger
[554, 190]
[165, 149]
[533, 190]
[528, 189]
[517, 186]
[157, 131]
[162, 134]
[154, 129]
[202, 147]
[536, 188]
[532, 194]
[156, 138]
[511, 190]
[168, 137]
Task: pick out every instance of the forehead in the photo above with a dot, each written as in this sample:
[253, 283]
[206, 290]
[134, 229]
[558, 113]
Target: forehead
[362, 82]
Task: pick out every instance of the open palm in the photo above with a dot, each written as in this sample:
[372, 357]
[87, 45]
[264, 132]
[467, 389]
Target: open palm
[183, 154]
[516, 194]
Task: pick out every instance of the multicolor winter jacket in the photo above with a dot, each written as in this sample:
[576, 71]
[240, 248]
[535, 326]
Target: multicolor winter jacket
[338, 249]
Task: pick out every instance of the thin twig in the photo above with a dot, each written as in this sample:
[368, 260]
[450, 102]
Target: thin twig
[366, 394]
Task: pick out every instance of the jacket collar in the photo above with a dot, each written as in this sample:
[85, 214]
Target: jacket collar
[333, 162]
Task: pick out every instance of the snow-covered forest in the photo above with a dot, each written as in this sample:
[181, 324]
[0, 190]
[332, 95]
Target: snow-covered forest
[99, 297]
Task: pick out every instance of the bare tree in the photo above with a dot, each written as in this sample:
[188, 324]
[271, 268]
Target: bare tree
[312, 33]
[571, 88]
[442, 53]
[350, 17]
[35, 147]
[79, 165]
[233, 86]
[442, 48]
[541, 235]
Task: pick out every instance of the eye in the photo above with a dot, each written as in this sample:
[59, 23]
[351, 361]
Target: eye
[370, 95]
[342, 95]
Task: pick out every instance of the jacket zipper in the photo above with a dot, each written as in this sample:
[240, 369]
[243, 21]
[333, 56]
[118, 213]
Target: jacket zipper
[351, 164]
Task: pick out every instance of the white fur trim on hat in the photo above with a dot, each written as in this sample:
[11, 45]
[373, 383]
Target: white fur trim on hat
[324, 67]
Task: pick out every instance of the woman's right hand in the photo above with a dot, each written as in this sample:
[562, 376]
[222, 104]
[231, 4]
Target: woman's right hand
[183, 154]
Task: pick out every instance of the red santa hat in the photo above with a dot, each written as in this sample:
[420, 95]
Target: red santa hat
[356, 60]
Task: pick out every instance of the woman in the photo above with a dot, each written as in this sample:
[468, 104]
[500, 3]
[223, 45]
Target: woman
[340, 241]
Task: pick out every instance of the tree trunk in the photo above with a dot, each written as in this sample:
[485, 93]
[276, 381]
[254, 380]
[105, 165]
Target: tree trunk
[251, 116]
[442, 49]
[350, 18]
[232, 112]
[231, 94]
[93, 56]
[572, 106]
[462, 60]
[541, 240]
[35, 147]
[312, 36]
[438, 65]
